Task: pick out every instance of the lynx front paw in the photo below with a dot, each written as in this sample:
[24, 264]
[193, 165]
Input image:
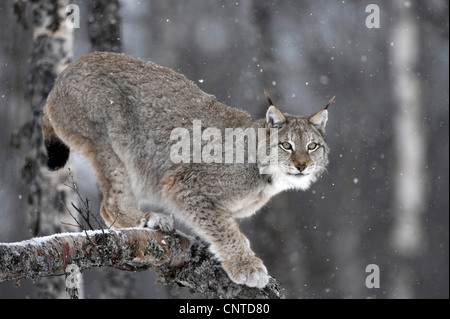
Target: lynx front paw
[157, 221]
[250, 272]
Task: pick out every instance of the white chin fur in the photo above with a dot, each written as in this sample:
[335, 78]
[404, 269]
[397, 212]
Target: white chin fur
[282, 181]
[285, 182]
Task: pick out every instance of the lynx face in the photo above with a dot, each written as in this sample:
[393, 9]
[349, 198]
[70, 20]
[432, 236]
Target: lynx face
[302, 153]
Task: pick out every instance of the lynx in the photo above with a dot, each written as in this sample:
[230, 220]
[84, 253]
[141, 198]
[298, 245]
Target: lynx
[119, 112]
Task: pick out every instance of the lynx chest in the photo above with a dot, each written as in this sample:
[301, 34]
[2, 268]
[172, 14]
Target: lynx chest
[251, 202]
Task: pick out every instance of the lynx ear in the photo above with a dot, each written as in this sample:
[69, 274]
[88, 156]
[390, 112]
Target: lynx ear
[320, 118]
[274, 117]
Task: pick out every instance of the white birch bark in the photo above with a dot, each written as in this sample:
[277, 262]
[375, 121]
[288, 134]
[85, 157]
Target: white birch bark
[409, 204]
[51, 53]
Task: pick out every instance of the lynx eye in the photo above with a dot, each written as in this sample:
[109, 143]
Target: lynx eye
[286, 145]
[312, 146]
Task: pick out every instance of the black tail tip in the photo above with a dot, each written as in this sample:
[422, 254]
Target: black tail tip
[58, 154]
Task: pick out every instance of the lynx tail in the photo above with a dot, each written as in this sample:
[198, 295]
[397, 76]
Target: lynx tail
[57, 151]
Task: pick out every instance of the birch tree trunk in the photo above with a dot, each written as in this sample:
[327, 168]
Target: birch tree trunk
[409, 202]
[51, 53]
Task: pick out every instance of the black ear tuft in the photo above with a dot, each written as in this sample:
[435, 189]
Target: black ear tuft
[268, 97]
[331, 101]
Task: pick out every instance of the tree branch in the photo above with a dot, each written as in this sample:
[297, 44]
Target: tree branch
[179, 259]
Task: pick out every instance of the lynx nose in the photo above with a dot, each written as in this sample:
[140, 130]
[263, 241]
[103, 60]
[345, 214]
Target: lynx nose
[301, 166]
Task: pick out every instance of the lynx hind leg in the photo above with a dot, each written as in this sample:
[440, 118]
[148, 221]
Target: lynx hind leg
[119, 207]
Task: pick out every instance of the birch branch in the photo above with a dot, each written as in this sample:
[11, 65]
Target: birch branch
[178, 259]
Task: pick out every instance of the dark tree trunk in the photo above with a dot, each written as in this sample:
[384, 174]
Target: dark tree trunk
[104, 25]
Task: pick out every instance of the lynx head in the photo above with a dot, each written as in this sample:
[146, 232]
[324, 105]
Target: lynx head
[302, 150]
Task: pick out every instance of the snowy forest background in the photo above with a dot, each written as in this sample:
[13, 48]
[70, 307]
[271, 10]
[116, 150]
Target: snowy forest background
[384, 199]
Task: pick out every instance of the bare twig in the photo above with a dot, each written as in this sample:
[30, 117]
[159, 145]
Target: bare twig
[75, 219]
[71, 225]
[85, 212]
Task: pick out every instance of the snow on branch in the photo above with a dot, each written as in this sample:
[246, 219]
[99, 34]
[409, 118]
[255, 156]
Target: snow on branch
[178, 259]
